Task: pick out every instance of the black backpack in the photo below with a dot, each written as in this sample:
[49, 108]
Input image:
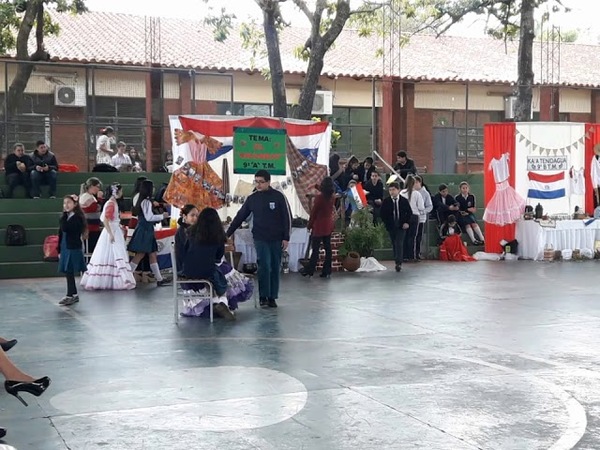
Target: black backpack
[15, 236]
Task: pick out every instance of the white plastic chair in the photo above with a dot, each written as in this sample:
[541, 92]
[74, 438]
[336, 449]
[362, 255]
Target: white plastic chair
[179, 294]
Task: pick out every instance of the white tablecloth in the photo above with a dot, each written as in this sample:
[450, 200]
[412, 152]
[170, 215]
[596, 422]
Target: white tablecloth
[568, 234]
[296, 249]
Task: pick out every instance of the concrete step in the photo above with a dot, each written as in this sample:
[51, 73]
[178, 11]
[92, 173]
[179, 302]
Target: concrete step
[61, 190]
[21, 205]
[28, 270]
[35, 236]
[26, 253]
[31, 219]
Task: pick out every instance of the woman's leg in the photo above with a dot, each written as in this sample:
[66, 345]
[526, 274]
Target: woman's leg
[419, 239]
[154, 267]
[136, 260]
[314, 256]
[478, 231]
[71, 286]
[328, 255]
[469, 230]
[409, 240]
[10, 371]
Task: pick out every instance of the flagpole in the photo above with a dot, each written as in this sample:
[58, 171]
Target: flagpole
[388, 166]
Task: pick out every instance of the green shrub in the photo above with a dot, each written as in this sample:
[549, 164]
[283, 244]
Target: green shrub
[362, 236]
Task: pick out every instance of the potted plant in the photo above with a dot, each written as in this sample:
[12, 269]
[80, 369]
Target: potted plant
[361, 238]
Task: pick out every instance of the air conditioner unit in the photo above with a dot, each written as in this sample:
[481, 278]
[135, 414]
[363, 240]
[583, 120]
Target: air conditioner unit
[509, 107]
[323, 103]
[69, 96]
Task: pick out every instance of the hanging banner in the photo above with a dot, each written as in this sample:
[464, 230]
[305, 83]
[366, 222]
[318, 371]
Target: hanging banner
[547, 163]
[259, 148]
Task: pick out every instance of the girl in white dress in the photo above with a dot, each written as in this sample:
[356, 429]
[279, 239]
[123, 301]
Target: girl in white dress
[108, 268]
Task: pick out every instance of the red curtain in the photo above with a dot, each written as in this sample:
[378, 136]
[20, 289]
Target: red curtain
[592, 138]
[498, 138]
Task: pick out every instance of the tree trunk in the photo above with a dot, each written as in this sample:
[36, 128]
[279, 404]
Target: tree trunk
[319, 45]
[275, 65]
[311, 80]
[525, 80]
[34, 15]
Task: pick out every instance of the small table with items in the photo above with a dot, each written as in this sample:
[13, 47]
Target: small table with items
[565, 234]
[296, 249]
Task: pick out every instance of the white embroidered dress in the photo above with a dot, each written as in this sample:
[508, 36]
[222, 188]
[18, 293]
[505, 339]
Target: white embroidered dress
[109, 268]
[505, 206]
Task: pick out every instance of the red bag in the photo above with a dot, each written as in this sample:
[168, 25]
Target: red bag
[68, 168]
[51, 249]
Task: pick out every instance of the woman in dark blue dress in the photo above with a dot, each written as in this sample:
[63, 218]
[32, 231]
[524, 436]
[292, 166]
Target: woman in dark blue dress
[143, 241]
[70, 243]
[204, 249]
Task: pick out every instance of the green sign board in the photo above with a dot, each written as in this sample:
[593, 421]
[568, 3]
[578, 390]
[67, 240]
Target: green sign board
[259, 148]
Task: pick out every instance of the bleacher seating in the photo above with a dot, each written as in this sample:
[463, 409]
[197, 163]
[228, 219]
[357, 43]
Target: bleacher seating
[40, 219]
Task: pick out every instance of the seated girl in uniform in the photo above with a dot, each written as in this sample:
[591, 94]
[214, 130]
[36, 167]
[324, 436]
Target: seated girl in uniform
[466, 211]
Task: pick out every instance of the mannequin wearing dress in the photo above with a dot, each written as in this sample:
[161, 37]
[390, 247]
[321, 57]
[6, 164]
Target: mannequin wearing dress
[505, 206]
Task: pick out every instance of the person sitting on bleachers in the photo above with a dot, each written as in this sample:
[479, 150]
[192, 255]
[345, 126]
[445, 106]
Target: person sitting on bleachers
[443, 204]
[466, 217]
[43, 169]
[452, 248]
[16, 165]
[374, 190]
[121, 161]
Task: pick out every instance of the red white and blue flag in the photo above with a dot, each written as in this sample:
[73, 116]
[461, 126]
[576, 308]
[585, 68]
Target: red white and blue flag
[357, 197]
[306, 137]
[546, 187]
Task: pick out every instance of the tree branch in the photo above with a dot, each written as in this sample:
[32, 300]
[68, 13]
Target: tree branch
[25, 29]
[342, 14]
[371, 10]
[301, 4]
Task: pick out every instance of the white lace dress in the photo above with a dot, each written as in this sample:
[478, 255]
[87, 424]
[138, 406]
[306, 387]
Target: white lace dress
[109, 268]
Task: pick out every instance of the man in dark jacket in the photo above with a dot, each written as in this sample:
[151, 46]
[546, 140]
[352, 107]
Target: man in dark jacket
[374, 189]
[16, 165]
[404, 165]
[396, 214]
[43, 170]
[444, 204]
[271, 225]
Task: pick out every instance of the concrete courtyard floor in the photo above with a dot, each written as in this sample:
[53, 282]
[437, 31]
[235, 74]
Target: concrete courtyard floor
[442, 356]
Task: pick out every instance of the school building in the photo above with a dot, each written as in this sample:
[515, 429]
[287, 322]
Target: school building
[132, 72]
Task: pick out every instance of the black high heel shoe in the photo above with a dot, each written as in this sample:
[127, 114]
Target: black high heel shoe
[2, 432]
[6, 346]
[37, 387]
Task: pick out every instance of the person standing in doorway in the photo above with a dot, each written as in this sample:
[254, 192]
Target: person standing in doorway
[271, 222]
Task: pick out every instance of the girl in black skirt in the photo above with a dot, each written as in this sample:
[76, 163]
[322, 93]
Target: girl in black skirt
[70, 243]
[143, 241]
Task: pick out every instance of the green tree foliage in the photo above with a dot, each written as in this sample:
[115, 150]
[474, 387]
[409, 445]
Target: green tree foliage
[326, 18]
[18, 20]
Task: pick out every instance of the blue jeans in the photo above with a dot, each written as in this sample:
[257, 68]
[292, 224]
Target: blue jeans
[268, 255]
[39, 178]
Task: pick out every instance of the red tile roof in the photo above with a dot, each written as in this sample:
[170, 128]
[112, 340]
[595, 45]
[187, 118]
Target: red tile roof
[108, 38]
